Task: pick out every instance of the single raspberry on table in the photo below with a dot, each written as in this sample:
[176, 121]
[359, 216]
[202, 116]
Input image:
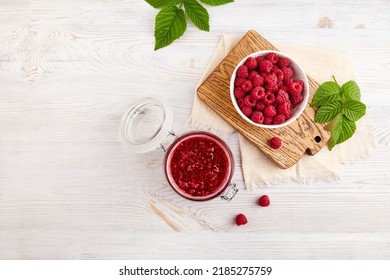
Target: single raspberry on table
[273, 57]
[258, 81]
[295, 88]
[257, 117]
[249, 101]
[242, 72]
[275, 142]
[284, 62]
[265, 66]
[247, 111]
[258, 93]
[239, 93]
[241, 220]
[269, 111]
[247, 86]
[251, 63]
[281, 96]
[278, 119]
[264, 201]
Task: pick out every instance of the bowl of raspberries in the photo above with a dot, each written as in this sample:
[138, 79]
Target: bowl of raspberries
[269, 89]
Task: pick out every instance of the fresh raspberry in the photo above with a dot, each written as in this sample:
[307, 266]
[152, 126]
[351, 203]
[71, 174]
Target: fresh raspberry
[284, 62]
[281, 96]
[287, 83]
[260, 106]
[269, 111]
[242, 72]
[259, 59]
[295, 88]
[287, 73]
[283, 87]
[265, 66]
[273, 57]
[258, 81]
[257, 117]
[284, 108]
[296, 99]
[271, 79]
[267, 121]
[269, 98]
[258, 93]
[247, 111]
[241, 219]
[252, 75]
[279, 74]
[264, 201]
[272, 87]
[275, 142]
[240, 103]
[249, 101]
[247, 86]
[239, 93]
[278, 119]
[271, 82]
[301, 83]
[251, 63]
[239, 81]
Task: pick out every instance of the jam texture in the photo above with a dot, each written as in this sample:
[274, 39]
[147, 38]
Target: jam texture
[199, 165]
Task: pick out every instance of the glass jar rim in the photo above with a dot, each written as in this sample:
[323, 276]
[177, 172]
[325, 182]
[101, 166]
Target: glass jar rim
[226, 181]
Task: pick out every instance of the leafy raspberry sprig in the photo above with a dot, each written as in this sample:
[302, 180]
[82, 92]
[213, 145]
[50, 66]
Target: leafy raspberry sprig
[171, 22]
[340, 107]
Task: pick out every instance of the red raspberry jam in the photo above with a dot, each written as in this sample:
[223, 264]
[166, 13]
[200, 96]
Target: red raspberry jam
[199, 165]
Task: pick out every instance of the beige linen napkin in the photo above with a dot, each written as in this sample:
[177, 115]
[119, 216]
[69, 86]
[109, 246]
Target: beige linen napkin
[257, 169]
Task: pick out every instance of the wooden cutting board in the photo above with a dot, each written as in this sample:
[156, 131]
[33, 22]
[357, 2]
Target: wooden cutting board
[300, 137]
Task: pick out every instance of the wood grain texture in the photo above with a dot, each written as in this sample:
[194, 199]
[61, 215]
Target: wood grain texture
[298, 137]
[69, 190]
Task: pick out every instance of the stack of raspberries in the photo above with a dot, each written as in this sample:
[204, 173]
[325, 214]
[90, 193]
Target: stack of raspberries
[265, 89]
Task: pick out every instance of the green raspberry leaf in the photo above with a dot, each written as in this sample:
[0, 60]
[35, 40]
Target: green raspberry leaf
[198, 14]
[216, 2]
[351, 91]
[328, 112]
[162, 3]
[170, 25]
[327, 92]
[342, 131]
[354, 110]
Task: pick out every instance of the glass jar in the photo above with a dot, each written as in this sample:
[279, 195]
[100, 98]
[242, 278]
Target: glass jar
[198, 165]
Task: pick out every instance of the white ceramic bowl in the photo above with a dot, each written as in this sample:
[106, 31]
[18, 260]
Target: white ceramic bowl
[299, 74]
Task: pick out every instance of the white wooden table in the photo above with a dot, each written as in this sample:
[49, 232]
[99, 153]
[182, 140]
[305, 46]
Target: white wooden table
[70, 190]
